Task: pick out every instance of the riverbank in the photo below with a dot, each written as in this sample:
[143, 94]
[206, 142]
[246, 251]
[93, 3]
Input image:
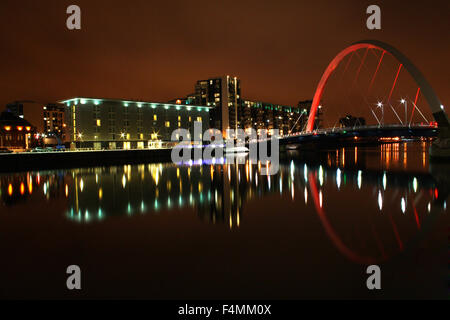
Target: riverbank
[16, 162]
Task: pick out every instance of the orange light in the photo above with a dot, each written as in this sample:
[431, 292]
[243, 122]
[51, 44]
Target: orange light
[10, 190]
[7, 128]
[19, 128]
[178, 101]
[30, 188]
[22, 188]
[28, 128]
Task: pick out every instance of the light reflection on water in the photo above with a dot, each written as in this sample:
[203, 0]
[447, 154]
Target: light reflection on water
[391, 187]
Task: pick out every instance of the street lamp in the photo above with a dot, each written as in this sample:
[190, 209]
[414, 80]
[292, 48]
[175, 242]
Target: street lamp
[380, 105]
[403, 101]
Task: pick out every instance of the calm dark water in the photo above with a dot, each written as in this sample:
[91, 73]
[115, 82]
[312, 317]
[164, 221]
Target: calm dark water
[226, 231]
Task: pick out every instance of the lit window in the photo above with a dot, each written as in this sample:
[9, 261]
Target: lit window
[190, 119]
[99, 123]
[155, 117]
[199, 119]
[167, 124]
[179, 118]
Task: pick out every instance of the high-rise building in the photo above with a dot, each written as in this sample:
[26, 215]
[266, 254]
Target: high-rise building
[223, 95]
[54, 120]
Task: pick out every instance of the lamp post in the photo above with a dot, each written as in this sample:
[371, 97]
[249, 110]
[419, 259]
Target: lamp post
[380, 105]
[403, 101]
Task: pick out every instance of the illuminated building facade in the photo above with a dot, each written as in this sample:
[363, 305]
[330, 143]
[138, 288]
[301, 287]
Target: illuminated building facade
[30, 110]
[54, 119]
[15, 132]
[123, 124]
[223, 95]
[269, 116]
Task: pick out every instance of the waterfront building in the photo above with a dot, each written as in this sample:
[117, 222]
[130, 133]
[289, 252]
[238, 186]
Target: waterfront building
[268, 116]
[30, 110]
[223, 95]
[54, 120]
[15, 132]
[125, 124]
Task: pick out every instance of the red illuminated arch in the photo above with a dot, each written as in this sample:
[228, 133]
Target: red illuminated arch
[427, 91]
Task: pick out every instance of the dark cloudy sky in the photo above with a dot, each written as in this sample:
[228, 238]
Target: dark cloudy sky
[156, 50]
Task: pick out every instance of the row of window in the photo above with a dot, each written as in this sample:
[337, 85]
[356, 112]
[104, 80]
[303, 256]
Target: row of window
[98, 122]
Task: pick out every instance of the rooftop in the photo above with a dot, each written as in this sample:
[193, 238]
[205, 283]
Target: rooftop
[126, 103]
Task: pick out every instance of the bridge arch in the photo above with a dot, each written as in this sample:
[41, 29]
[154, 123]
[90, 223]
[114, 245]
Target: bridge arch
[426, 89]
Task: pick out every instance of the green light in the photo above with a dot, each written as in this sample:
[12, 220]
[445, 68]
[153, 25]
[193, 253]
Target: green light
[97, 102]
[125, 104]
[178, 108]
[189, 108]
[139, 105]
[83, 101]
[153, 106]
[166, 107]
[199, 109]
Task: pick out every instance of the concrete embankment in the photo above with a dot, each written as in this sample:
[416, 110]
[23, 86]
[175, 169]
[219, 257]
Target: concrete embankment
[73, 159]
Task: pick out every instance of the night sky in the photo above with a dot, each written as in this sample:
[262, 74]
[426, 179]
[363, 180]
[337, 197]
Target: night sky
[156, 50]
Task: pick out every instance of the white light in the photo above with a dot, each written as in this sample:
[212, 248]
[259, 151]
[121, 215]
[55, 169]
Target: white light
[403, 205]
[306, 196]
[321, 175]
[403, 101]
[442, 106]
[338, 178]
[320, 198]
[415, 184]
[359, 179]
[379, 104]
[380, 200]
[384, 181]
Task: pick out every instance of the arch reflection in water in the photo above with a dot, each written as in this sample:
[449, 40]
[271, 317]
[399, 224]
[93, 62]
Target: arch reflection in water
[372, 208]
